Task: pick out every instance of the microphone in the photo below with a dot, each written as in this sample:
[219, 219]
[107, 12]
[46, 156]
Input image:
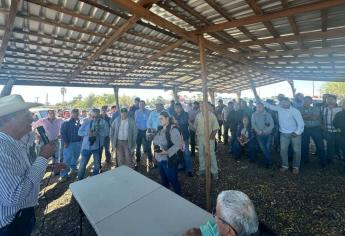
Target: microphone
[43, 134]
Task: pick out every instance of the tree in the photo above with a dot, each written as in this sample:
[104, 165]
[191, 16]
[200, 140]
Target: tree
[337, 88]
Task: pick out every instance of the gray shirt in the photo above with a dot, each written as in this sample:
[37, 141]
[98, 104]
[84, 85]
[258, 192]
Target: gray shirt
[262, 121]
[160, 140]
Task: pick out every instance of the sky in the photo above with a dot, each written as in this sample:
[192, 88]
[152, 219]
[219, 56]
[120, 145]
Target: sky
[39, 93]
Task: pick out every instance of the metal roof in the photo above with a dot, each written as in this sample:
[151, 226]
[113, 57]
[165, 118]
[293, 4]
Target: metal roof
[102, 43]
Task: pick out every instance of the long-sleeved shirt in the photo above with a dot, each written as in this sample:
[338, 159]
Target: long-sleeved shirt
[141, 118]
[102, 130]
[52, 127]
[161, 140]
[153, 120]
[328, 117]
[192, 114]
[200, 126]
[182, 121]
[311, 111]
[69, 131]
[339, 122]
[290, 119]
[19, 179]
[262, 122]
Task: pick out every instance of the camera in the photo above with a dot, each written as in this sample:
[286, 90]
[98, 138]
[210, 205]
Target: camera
[157, 149]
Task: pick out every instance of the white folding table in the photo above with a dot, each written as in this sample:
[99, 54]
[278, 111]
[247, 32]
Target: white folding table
[123, 202]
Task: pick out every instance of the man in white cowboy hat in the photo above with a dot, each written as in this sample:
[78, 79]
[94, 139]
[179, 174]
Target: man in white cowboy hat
[19, 179]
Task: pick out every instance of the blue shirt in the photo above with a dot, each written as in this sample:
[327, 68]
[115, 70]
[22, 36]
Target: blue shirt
[153, 121]
[182, 121]
[102, 129]
[114, 116]
[69, 131]
[141, 118]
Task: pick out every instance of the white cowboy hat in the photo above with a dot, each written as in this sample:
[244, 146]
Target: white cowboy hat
[13, 103]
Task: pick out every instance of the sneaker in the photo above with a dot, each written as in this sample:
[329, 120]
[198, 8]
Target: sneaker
[215, 176]
[284, 169]
[201, 173]
[295, 171]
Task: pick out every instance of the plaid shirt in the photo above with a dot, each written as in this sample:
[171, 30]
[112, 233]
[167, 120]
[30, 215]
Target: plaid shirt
[328, 115]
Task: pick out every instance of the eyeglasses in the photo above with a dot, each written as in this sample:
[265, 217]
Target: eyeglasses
[223, 221]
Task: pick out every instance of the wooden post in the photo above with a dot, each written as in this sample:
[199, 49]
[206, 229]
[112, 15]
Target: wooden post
[116, 95]
[175, 93]
[238, 96]
[7, 89]
[206, 121]
[292, 84]
[212, 96]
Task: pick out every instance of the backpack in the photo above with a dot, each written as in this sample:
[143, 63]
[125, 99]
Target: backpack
[177, 157]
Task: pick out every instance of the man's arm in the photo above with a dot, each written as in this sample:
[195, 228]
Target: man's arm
[299, 120]
[83, 131]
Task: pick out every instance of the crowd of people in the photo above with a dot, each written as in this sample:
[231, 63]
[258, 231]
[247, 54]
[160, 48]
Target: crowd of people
[169, 137]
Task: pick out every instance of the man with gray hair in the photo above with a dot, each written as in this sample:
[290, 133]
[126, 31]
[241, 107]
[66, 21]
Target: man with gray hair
[235, 215]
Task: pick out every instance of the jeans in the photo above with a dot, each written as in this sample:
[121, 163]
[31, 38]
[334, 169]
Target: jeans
[22, 224]
[285, 140]
[169, 176]
[214, 166]
[123, 154]
[265, 142]
[331, 139]
[57, 154]
[192, 142]
[316, 134]
[85, 157]
[70, 157]
[187, 157]
[106, 148]
[226, 133]
[141, 140]
[237, 149]
[220, 122]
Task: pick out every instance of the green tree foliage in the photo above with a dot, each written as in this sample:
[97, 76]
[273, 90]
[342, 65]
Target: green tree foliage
[337, 88]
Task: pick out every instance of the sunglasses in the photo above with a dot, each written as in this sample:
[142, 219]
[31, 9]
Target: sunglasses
[214, 214]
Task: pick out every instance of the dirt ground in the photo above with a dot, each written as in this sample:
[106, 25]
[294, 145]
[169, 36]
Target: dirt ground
[312, 203]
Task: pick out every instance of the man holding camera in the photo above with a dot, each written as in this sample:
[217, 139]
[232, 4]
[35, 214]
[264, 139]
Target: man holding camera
[93, 130]
[19, 178]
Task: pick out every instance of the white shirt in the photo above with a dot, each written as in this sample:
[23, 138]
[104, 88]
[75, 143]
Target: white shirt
[19, 179]
[123, 130]
[290, 120]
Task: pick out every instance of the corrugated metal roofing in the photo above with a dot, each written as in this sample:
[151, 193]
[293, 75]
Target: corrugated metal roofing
[52, 39]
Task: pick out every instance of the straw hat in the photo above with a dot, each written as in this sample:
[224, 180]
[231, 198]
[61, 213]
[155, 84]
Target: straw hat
[13, 103]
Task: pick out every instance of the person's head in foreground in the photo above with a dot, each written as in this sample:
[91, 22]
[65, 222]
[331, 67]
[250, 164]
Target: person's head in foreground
[124, 113]
[235, 215]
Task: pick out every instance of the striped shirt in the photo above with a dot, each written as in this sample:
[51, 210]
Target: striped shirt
[328, 115]
[19, 180]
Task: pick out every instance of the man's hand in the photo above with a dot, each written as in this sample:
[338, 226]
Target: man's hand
[47, 150]
[193, 232]
[57, 167]
[294, 135]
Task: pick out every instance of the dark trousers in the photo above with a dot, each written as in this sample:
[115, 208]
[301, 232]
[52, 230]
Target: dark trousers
[192, 142]
[331, 139]
[237, 149]
[220, 122]
[22, 224]
[141, 140]
[226, 133]
[106, 148]
[265, 142]
[341, 141]
[316, 134]
[169, 176]
[232, 140]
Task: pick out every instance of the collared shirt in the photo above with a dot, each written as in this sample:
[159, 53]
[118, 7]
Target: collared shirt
[123, 130]
[69, 131]
[52, 127]
[141, 118]
[102, 129]
[199, 124]
[328, 117]
[153, 120]
[311, 111]
[290, 120]
[19, 179]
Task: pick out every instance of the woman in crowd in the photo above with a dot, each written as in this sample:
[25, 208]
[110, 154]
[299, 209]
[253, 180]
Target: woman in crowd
[245, 138]
[168, 142]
